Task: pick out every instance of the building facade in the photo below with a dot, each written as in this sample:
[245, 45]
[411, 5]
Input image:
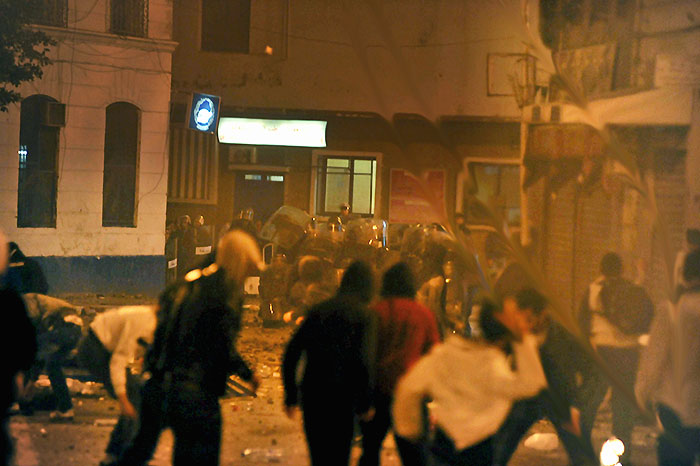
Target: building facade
[419, 86]
[84, 156]
[629, 106]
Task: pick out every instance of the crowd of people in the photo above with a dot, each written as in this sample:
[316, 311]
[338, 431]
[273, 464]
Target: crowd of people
[360, 362]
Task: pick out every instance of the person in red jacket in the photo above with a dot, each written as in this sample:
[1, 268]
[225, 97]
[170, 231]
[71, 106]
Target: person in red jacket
[406, 330]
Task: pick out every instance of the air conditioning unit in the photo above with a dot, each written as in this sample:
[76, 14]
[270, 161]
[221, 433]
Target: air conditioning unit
[242, 155]
[53, 114]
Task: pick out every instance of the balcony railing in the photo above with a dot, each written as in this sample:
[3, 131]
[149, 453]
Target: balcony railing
[129, 17]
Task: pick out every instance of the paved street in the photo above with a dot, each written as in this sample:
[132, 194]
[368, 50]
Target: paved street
[256, 432]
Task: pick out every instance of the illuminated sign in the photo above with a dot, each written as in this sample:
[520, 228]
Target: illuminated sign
[204, 112]
[257, 132]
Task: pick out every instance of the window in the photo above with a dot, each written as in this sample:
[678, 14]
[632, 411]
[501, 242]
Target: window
[129, 17]
[226, 26]
[498, 187]
[192, 169]
[51, 13]
[38, 159]
[349, 180]
[120, 165]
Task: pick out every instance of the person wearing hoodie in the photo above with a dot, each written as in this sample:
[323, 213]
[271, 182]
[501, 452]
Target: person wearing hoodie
[471, 403]
[406, 330]
[336, 338]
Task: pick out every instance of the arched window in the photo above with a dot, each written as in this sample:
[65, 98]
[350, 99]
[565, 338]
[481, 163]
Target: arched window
[121, 165]
[41, 118]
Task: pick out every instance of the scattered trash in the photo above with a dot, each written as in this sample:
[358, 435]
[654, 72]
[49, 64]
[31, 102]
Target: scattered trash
[111, 422]
[76, 387]
[265, 371]
[271, 455]
[542, 441]
[43, 381]
[43, 432]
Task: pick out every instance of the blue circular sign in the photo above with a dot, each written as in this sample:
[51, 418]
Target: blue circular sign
[204, 113]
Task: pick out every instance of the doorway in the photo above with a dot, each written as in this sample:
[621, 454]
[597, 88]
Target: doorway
[262, 191]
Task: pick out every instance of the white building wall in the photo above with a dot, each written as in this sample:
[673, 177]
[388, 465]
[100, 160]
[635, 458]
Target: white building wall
[92, 69]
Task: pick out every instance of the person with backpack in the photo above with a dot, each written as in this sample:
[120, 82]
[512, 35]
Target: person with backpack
[192, 355]
[614, 314]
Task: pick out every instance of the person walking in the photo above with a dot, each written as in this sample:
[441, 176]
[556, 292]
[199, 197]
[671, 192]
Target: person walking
[565, 364]
[669, 372]
[614, 314]
[192, 355]
[406, 330]
[112, 350]
[472, 402]
[18, 349]
[336, 339]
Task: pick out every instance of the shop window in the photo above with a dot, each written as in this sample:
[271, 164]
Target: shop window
[350, 180]
[226, 26]
[129, 17]
[193, 167]
[38, 157]
[120, 165]
[498, 188]
[51, 13]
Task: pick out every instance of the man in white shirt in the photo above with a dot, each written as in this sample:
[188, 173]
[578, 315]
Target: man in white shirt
[669, 372]
[118, 338]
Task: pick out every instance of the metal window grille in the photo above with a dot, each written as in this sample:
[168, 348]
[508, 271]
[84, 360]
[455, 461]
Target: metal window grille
[129, 17]
[52, 13]
[192, 171]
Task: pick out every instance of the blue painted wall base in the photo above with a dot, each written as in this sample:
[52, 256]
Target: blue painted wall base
[104, 274]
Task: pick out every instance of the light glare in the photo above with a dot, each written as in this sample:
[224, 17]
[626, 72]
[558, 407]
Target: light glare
[259, 132]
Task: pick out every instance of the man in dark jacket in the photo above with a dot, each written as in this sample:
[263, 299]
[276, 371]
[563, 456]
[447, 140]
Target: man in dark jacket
[18, 347]
[337, 340]
[193, 354]
[563, 361]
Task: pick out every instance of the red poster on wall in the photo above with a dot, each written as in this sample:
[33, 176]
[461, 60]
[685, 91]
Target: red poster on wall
[414, 200]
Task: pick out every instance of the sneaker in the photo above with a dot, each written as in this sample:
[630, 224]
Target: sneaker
[62, 416]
